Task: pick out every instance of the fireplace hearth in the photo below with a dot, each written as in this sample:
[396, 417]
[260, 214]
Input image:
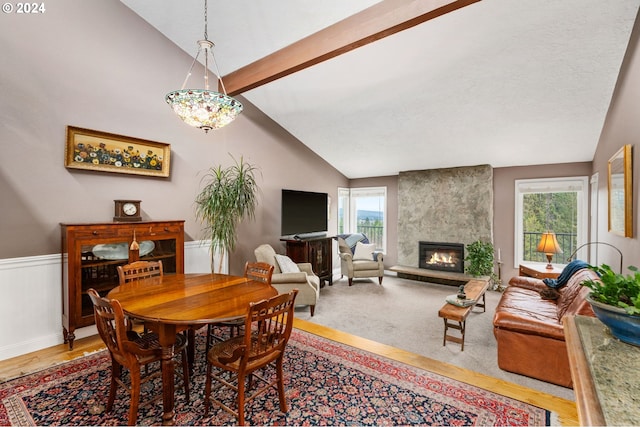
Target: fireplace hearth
[441, 256]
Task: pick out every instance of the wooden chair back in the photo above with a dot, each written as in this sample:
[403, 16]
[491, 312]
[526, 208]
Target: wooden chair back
[259, 271]
[130, 350]
[112, 326]
[267, 326]
[270, 322]
[139, 270]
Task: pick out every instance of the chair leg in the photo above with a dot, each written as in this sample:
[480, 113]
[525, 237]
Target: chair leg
[241, 384]
[135, 395]
[207, 390]
[350, 280]
[380, 280]
[209, 338]
[312, 309]
[185, 373]
[116, 372]
[190, 335]
[281, 395]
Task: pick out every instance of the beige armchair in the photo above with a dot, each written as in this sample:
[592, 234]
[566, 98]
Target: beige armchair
[307, 283]
[359, 268]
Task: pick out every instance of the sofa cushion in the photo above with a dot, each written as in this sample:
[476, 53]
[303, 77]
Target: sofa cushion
[572, 295]
[286, 264]
[362, 264]
[364, 251]
[523, 310]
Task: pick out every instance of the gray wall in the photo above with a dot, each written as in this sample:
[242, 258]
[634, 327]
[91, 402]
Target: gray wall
[67, 67]
[622, 127]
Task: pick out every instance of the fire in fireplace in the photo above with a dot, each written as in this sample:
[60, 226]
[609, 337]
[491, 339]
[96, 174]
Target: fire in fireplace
[442, 256]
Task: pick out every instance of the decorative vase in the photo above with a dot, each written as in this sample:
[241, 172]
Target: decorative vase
[624, 326]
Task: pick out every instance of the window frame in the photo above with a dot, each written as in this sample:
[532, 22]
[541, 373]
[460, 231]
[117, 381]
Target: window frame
[349, 211]
[579, 184]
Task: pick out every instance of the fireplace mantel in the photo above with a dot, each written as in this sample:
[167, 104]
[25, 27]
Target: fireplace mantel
[433, 276]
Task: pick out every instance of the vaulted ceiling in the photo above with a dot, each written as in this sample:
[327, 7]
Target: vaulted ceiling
[499, 82]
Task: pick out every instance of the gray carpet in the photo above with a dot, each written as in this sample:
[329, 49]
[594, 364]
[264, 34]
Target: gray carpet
[404, 314]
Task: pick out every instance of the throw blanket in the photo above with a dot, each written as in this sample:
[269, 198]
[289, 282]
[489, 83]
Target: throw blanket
[566, 274]
[352, 239]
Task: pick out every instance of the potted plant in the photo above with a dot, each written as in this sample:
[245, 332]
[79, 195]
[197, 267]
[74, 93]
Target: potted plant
[615, 300]
[228, 196]
[479, 259]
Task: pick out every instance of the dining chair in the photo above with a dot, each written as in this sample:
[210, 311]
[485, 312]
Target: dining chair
[267, 328]
[131, 351]
[139, 270]
[258, 271]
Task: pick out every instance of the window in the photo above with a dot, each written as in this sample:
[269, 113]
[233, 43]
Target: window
[343, 208]
[555, 204]
[364, 210]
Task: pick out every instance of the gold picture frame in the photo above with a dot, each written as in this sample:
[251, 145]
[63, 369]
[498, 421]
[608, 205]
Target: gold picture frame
[620, 191]
[107, 152]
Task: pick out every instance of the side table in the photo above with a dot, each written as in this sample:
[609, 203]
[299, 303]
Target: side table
[539, 271]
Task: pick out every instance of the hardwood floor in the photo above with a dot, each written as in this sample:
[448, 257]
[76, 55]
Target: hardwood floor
[565, 409]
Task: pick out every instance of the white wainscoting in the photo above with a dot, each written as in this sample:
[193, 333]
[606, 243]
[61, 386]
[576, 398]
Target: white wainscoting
[31, 299]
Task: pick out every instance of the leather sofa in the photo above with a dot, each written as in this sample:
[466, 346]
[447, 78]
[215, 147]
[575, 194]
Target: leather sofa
[529, 329]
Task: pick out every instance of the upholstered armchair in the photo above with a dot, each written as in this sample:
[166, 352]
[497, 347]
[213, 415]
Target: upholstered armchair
[296, 276]
[358, 258]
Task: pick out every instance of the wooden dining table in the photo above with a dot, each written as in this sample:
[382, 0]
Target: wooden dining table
[175, 302]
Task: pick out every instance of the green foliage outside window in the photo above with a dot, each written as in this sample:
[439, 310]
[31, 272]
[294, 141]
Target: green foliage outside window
[557, 212]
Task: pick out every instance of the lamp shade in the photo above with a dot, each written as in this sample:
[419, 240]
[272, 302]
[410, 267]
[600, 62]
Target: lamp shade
[549, 244]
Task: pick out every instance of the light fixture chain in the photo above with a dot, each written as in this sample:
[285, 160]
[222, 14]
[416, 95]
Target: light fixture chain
[205, 21]
[206, 50]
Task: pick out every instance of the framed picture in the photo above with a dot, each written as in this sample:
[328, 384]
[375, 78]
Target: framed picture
[620, 186]
[107, 152]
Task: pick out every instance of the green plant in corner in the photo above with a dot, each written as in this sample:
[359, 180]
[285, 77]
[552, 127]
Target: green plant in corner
[228, 196]
[479, 260]
[616, 289]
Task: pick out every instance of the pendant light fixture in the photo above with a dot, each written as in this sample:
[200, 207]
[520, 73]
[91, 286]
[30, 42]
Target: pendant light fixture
[203, 108]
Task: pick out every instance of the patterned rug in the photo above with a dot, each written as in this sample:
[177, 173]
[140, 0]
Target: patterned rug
[327, 383]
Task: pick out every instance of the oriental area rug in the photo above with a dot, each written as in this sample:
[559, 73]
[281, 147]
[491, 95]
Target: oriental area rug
[327, 383]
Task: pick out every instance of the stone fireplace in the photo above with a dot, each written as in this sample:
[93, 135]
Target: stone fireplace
[443, 205]
[441, 256]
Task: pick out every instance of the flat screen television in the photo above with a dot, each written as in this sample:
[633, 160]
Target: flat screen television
[303, 213]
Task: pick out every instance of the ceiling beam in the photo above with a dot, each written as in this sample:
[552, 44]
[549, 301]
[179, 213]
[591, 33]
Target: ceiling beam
[374, 23]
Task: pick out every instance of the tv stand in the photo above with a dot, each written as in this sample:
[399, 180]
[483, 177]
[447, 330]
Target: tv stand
[314, 250]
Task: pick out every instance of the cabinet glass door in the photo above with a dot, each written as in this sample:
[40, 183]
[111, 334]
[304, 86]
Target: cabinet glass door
[99, 270]
[160, 250]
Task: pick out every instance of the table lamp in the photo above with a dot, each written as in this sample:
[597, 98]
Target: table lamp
[549, 245]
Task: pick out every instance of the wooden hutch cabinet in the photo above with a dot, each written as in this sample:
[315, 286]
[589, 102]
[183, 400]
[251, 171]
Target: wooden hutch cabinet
[92, 252]
[316, 251]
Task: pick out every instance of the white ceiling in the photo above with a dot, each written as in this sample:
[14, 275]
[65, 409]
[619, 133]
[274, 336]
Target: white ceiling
[499, 82]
